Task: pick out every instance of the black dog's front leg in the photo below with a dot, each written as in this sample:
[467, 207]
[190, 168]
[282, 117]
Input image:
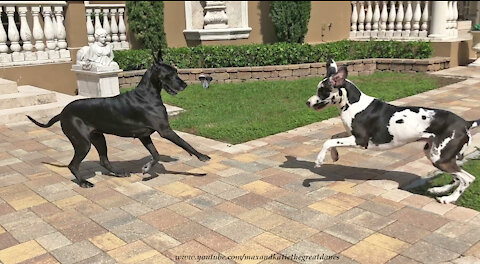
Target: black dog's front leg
[147, 142]
[169, 134]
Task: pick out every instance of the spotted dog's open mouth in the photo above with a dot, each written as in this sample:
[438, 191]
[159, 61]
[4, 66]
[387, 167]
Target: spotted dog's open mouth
[319, 106]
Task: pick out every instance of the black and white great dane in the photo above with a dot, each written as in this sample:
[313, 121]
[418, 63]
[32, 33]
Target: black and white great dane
[377, 125]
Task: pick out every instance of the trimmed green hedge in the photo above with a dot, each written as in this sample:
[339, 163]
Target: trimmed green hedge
[274, 54]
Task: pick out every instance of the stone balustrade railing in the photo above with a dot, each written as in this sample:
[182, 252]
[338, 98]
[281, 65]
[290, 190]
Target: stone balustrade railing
[403, 20]
[35, 33]
[111, 18]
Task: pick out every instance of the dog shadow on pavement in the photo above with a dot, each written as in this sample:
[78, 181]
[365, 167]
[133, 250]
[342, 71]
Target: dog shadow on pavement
[89, 167]
[332, 172]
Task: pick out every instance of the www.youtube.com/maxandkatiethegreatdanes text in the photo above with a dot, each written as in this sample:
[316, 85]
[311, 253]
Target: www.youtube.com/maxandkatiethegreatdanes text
[294, 257]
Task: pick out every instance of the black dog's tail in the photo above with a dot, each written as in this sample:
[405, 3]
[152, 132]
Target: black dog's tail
[49, 124]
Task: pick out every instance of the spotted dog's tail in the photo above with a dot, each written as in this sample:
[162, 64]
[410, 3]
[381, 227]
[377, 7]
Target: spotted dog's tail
[49, 124]
[474, 124]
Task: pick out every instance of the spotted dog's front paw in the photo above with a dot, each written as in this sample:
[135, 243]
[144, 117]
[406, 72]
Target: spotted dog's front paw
[436, 190]
[320, 159]
[445, 200]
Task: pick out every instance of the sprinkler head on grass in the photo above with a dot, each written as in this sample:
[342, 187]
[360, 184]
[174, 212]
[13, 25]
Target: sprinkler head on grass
[205, 80]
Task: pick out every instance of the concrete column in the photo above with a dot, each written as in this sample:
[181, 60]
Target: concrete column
[477, 12]
[438, 23]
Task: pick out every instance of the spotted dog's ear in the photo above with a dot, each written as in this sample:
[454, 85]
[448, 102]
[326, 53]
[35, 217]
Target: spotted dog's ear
[339, 78]
[331, 67]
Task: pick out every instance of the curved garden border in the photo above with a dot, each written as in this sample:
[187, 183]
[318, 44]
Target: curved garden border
[294, 71]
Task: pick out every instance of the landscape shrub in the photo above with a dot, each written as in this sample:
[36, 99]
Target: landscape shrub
[145, 19]
[290, 19]
[274, 54]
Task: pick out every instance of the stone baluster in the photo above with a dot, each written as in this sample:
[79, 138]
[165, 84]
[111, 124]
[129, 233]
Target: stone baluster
[383, 20]
[391, 20]
[354, 20]
[417, 14]
[454, 19]
[449, 19]
[14, 35]
[61, 33]
[90, 27]
[4, 56]
[399, 20]
[114, 28]
[122, 29]
[54, 25]
[98, 23]
[424, 27]
[376, 20]
[38, 35]
[106, 24]
[368, 20]
[408, 20]
[215, 15]
[26, 34]
[361, 19]
[49, 32]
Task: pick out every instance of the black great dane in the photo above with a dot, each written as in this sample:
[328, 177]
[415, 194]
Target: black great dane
[137, 113]
[377, 125]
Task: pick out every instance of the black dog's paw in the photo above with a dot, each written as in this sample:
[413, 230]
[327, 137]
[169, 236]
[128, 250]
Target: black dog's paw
[86, 184]
[146, 168]
[203, 157]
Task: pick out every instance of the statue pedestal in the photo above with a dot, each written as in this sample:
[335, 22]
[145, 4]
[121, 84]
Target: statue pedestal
[97, 83]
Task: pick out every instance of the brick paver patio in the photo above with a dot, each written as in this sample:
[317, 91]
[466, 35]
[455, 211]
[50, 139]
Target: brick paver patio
[254, 199]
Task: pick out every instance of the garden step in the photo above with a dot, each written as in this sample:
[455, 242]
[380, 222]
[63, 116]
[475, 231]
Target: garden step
[7, 86]
[26, 96]
[42, 113]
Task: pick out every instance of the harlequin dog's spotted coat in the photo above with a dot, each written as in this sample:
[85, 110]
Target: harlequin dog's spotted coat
[377, 125]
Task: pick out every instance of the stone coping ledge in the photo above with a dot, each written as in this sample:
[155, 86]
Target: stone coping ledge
[295, 71]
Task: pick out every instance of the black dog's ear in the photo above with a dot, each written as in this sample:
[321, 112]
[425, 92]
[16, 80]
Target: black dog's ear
[158, 58]
[154, 58]
[339, 78]
[331, 67]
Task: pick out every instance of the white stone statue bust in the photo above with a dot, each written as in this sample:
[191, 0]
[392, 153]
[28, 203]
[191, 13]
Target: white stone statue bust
[98, 56]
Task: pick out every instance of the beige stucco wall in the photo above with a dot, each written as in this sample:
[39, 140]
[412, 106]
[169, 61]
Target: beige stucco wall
[323, 13]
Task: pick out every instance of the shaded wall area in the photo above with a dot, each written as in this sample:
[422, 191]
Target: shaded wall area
[459, 52]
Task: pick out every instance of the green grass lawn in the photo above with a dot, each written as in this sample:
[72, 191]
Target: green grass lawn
[240, 112]
[470, 198]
